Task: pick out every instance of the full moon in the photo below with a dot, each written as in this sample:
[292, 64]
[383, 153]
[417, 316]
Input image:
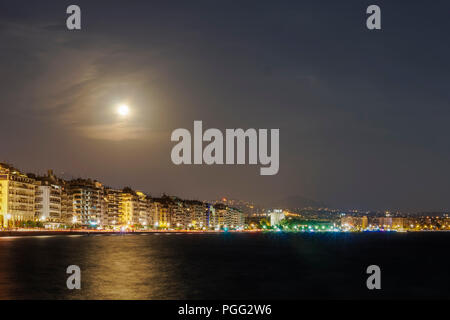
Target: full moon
[123, 110]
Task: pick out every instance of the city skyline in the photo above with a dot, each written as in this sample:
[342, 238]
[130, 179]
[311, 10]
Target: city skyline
[31, 203]
[51, 177]
[362, 114]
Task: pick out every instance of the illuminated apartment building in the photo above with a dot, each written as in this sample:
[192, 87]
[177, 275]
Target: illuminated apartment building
[113, 198]
[200, 215]
[154, 207]
[87, 202]
[220, 218]
[226, 217]
[165, 219]
[66, 204]
[159, 209]
[180, 215]
[48, 202]
[17, 193]
[211, 216]
[354, 223]
[236, 217]
[128, 208]
[383, 222]
[53, 202]
[232, 217]
[143, 216]
[196, 215]
[399, 223]
[364, 222]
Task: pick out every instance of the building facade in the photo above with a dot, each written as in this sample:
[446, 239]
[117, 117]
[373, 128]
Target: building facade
[87, 198]
[17, 196]
[48, 202]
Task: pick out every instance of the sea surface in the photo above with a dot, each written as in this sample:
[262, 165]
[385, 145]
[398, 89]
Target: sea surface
[227, 266]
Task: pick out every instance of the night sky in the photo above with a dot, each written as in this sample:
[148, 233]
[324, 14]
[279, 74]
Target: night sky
[363, 115]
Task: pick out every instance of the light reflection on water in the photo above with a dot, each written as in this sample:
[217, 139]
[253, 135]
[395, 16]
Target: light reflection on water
[217, 266]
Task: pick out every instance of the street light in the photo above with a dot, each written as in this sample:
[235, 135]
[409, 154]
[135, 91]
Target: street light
[8, 217]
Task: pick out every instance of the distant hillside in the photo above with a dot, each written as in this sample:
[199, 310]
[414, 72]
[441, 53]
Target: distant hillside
[296, 202]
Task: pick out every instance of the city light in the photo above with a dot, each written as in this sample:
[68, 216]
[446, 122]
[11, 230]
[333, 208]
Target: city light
[86, 204]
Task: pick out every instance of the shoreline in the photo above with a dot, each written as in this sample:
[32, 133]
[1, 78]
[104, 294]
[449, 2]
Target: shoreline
[36, 233]
[30, 233]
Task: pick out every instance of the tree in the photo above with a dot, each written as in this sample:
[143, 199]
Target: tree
[264, 223]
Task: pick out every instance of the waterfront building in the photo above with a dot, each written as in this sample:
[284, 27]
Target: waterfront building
[364, 223]
[352, 223]
[210, 215]
[276, 216]
[169, 213]
[66, 204]
[196, 215]
[143, 214]
[236, 217]
[48, 202]
[399, 223]
[128, 208]
[17, 196]
[87, 202]
[161, 215]
[180, 215]
[226, 217]
[154, 207]
[150, 214]
[220, 216]
[383, 222]
[113, 198]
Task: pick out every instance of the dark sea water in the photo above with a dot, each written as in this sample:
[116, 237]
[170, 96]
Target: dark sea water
[227, 266]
